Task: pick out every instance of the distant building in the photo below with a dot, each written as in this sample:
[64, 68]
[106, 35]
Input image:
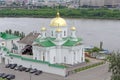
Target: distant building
[89, 2]
[2, 2]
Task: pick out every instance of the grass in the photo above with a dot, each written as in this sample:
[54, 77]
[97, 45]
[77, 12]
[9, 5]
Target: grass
[88, 67]
[2, 79]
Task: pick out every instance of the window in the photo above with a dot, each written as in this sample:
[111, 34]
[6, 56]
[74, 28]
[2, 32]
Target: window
[43, 58]
[74, 56]
[64, 59]
[71, 34]
[45, 34]
[12, 41]
[11, 57]
[54, 59]
[52, 33]
[35, 58]
[82, 59]
[64, 33]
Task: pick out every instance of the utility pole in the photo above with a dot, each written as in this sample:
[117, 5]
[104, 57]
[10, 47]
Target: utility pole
[30, 73]
[79, 3]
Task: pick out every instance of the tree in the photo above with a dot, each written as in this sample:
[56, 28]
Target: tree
[95, 49]
[17, 33]
[7, 31]
[10, 31]
[114, 65]
[22, 35]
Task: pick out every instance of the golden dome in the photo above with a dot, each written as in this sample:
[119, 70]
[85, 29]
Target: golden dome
[58, 30]
[43, 29]
[73, 28]
[58, 21]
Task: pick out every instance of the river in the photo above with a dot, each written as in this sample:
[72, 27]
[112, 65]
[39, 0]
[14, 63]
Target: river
[92, 31]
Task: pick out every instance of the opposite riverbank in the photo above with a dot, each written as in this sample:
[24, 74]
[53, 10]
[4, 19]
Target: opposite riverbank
[65, 12]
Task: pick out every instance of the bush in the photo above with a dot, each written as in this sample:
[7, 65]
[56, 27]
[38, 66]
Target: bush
[87, 60]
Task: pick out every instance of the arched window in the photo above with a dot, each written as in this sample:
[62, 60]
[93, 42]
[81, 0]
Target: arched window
[74, 56]
[43, 58]
[64, 33]
[12, 42]
[82, 59]
[45, 34]
[54, 58]
[64, 59]
[52, 33]
[35, 58]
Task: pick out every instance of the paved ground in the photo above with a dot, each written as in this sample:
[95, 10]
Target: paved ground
[98, 73]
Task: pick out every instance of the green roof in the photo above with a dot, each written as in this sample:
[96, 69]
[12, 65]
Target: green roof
[8, 36]
[14, 55]
[72, 43]
[37, 61]
[45, 43]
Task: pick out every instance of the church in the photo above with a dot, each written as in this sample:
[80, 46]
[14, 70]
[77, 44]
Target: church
[58, 47]
[50, 48]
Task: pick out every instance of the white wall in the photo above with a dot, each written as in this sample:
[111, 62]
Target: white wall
[20, 47]
[52, 54]
[39, 66]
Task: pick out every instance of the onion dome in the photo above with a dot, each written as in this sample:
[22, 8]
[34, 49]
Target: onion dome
[58, 21]
[73, 28]
[58, 30]
[43, 29]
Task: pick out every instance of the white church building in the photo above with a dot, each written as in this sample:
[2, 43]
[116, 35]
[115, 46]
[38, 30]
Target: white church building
[50, 52]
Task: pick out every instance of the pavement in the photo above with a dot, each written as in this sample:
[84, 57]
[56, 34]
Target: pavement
[97, 73]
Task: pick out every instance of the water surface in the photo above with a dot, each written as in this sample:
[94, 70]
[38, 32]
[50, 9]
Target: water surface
[91, 30]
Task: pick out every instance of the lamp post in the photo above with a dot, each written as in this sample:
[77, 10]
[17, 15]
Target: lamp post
[30, 73]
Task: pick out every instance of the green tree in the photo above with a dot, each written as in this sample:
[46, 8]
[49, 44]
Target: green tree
[95, 49]
[17, 33]
[7, 31]
[22, 35]
[10, 31]
[114, 65]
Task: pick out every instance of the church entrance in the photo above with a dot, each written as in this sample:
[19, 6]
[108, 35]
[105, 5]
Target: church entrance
[27, 50]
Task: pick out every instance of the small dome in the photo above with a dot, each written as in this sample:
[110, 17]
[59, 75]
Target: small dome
[58, 21]
[58, 30]
[43, 29]
[73, 28]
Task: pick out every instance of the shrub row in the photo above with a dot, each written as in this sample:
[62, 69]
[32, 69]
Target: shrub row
[89, 66]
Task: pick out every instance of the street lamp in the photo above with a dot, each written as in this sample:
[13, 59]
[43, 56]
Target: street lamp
[30, 73]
